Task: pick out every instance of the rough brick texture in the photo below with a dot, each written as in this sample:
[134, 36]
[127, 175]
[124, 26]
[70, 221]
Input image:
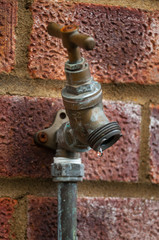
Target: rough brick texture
[98, 219]
[8, 19]
[7, 206]
[153, 143]
[42, 218]
[22, 117]
[127, 48]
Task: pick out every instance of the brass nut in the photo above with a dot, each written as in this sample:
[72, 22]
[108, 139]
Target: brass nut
[43, 137]
[74, 66]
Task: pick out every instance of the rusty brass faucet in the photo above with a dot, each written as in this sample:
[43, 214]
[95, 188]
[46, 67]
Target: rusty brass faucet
[85, 125]
[82, 125]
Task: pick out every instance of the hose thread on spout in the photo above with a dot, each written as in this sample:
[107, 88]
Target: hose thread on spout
[105, 136]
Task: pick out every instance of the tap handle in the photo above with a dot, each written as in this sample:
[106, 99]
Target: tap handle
[71, 39]
[54, 29]
[70, 32]
[84, 41]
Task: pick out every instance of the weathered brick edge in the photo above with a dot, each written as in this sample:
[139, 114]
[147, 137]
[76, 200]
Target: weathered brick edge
[98, 218]
[126, 48]
[22, 117]
[7, 207]
[8, 21]
[153, 143]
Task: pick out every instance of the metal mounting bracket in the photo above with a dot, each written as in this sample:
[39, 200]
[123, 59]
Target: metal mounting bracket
[47, 137]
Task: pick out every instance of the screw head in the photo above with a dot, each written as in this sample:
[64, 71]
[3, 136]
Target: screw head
[42, 137]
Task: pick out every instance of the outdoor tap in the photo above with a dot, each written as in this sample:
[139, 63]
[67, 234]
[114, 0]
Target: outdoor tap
[85, 125]
[77, 128]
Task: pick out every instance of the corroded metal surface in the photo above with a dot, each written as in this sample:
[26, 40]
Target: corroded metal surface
[47, 137]
[67, 211]
[67, 172]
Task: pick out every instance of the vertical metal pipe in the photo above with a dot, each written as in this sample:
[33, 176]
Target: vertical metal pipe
[67, 211]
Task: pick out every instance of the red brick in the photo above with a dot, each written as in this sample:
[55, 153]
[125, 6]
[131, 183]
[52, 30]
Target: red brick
[153, 143]
[8, 19]
[22, 117]
[7, 206]
[98, 219]
[127, 41]
[42, 218]
[121, 161]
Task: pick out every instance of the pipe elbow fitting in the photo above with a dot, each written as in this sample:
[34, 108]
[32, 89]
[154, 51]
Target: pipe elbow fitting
[102, 133]
[88, 128]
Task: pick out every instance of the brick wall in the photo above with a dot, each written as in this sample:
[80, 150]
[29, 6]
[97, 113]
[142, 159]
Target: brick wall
[119, 198]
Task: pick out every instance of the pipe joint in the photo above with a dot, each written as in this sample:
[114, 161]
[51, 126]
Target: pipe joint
[67, 170]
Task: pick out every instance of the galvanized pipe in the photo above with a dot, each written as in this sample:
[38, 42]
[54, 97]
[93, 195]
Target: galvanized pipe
[67, 211]
[67, 172]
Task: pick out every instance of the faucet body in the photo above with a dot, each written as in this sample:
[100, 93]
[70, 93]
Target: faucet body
[82, 99]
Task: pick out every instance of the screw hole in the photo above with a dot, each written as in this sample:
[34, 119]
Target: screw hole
[62, 115]
[43, 137]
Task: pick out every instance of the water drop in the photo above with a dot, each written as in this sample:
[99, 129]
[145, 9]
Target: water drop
[100, 153]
